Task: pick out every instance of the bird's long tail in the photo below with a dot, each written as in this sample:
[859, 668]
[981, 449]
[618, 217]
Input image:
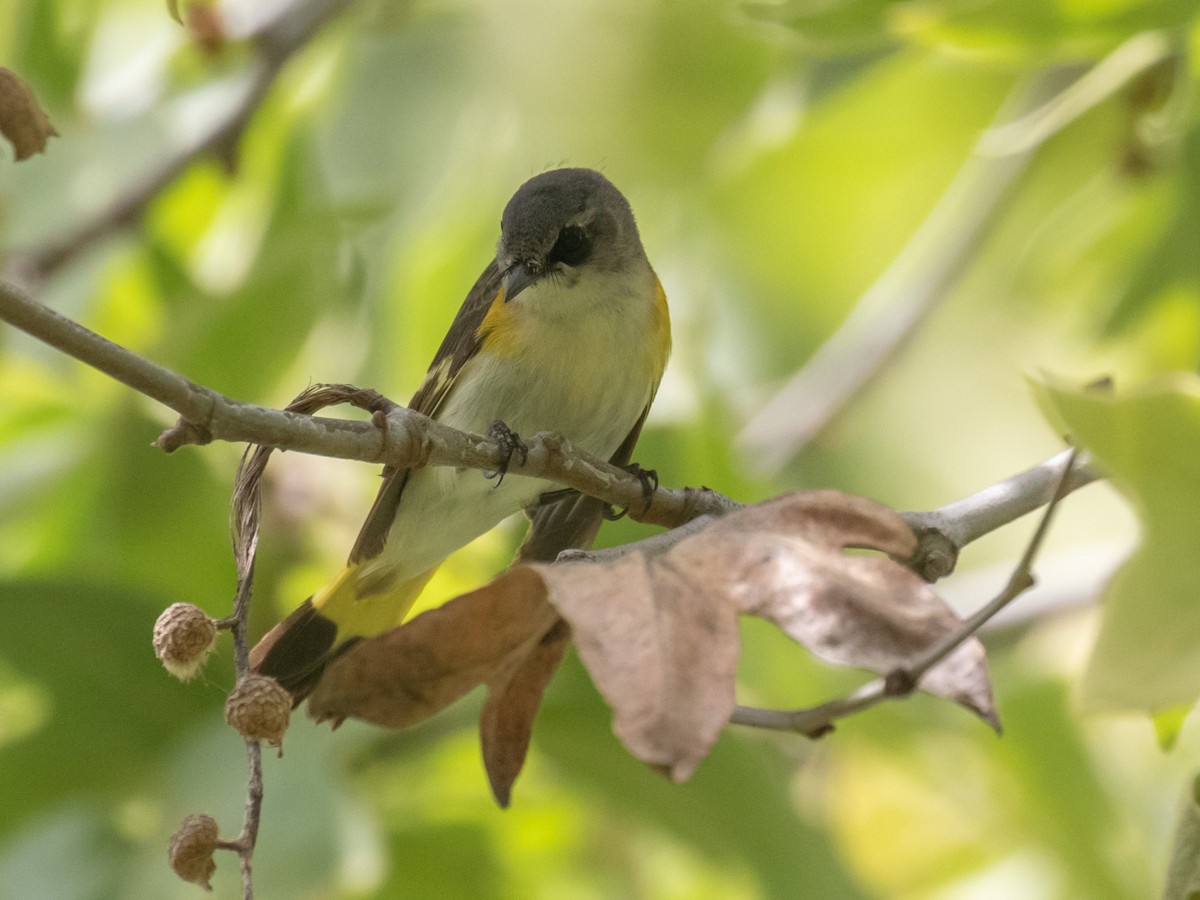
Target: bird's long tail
[296, 651]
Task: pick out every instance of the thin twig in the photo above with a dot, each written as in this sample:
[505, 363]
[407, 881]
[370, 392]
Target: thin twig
[244, 515]
[254, 798]
[904, 296]
[1020, 581]
[818, 720]
[245, 544]
[649, 546]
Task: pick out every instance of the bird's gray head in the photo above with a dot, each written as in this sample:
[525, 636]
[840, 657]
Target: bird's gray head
[563, 222]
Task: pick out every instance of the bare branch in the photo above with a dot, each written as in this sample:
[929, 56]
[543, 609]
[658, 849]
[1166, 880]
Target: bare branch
[400, 438]
[942, 533]
[904, 296]
[1020, 581]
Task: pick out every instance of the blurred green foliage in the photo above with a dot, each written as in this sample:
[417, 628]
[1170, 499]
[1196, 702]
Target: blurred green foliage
[1144, 440]
[778, 157]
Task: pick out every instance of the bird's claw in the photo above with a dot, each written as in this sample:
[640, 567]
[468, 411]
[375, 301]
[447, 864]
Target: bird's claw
[510, 444]
[649, 480]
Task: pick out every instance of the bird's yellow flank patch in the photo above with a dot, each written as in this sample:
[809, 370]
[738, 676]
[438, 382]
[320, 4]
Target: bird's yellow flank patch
[663, 324]
[500, 329]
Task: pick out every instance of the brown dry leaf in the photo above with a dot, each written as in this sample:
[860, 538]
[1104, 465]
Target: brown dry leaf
[506, 721]
[659, 633]
[22, 120]
[405, 675]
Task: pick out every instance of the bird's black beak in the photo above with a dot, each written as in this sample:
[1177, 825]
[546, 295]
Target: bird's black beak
[519, 276]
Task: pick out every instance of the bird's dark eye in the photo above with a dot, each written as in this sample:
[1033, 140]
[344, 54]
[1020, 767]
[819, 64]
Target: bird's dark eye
[572, 247]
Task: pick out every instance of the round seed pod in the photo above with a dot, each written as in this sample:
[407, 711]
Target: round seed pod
[191, 850]
[259, 708]
[184, 636]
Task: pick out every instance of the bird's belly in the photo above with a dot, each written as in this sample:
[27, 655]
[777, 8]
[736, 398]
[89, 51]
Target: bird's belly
[443, 509]
[591, 390]
[593, 408]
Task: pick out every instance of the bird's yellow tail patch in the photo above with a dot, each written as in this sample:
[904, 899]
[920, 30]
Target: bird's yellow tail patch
[360, 608]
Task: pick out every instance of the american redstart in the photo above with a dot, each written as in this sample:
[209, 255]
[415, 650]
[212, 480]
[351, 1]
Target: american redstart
[566, 330]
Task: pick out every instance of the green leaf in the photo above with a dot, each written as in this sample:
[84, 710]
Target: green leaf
[1168, 723]
[1147, 655]
[1183, 874]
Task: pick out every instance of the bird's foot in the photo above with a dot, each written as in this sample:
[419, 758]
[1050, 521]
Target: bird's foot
[510, 445]
[649, 480]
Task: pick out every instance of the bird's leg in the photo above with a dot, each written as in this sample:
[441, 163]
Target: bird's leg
[510, 443]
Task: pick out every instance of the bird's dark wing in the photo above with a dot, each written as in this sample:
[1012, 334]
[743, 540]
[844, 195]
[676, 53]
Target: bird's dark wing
[460, 344]
[571, 522]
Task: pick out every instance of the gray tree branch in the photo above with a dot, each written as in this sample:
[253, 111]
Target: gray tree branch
[399, 437]
[941, 533]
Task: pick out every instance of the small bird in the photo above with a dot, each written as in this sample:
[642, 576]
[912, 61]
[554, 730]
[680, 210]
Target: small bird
[566, 330]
